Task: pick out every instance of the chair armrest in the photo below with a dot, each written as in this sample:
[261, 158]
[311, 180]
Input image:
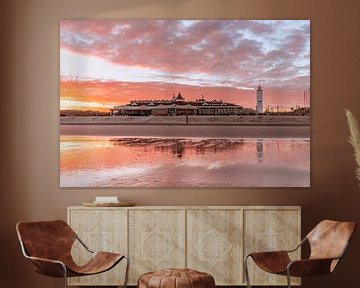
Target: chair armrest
[267, 254]
[83, 244]
[48, 267]
[45, 260]
[298, 246]
[271, 261]
[280, 251]
[309, 267]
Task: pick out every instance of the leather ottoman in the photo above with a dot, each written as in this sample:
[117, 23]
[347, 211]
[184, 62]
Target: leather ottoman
[176, 278]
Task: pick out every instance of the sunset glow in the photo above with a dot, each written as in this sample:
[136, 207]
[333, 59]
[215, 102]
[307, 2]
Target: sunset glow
[104, 63]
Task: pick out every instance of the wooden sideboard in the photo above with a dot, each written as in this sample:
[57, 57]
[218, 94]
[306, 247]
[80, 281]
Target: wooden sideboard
[212, 239]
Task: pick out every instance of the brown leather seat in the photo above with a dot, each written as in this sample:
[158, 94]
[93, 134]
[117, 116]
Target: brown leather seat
[328, 242]
[176, 278]
[48, 245]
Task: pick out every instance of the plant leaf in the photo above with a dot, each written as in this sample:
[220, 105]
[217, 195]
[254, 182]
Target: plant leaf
[354, 140]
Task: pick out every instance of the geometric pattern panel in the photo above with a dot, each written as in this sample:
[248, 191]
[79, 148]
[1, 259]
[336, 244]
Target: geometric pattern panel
[214, 243]
[271, 230]
[156, 246]
[101, 230]
[156, 240]
[213, 246]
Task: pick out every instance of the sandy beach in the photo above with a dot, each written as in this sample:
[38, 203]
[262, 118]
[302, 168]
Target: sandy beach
[196, 131]
[196, 126]
[191, 120]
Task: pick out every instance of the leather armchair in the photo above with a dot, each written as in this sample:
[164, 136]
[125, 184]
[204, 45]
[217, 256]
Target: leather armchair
[48, 245]
[328, 242]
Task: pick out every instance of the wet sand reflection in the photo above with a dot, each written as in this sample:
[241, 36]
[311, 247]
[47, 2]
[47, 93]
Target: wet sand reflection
[183, 162]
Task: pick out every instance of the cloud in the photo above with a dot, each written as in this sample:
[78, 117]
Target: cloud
[85, 93]
[236, 53]
[205, 46]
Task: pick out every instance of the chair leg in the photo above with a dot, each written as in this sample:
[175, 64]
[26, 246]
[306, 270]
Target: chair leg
[65, 276]
[126, 271]
[246, 271]
[288, 278]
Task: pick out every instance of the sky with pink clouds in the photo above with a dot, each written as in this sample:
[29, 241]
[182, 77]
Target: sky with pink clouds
[104, 63]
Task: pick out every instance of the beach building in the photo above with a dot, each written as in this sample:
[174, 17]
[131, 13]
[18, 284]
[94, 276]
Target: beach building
[259, 99]
[177, 106]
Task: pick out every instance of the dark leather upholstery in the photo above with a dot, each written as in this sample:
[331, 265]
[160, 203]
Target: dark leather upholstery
[53, 240]
[328, 242]
[176, 278]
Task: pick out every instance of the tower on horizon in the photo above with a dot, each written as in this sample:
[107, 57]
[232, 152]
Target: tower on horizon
[259, 99]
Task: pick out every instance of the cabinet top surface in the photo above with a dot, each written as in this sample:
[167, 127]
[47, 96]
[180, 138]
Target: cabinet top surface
[192, 207]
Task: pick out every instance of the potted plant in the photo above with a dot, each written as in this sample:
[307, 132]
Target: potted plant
[354, 140]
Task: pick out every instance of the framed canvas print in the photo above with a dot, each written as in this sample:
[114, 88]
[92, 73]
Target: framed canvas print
[185, 103]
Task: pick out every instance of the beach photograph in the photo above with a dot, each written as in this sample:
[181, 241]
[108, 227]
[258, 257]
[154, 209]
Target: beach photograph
[185, 103]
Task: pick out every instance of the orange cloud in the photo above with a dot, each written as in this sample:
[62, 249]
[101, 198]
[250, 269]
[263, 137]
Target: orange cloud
[96, 94]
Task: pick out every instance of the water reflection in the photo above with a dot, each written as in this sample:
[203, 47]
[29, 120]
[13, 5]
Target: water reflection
[183, 162]
[178, 147]
[259, 149]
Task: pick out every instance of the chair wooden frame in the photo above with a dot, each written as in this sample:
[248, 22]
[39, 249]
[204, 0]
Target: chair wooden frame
[58, 268]
[315, 265]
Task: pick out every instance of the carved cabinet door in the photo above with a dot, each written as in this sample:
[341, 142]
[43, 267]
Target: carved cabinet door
[270, 230]
[101, 230]
[156, 240]
[214, 244]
